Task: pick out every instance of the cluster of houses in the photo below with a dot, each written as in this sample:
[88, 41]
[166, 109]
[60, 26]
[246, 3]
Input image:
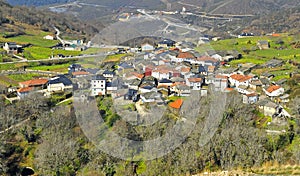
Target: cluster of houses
[157, 73]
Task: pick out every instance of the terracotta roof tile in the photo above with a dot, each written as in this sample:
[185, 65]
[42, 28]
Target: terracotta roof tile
[241, 78]
[185, 55]
[176, 104]
[273, 88]
[80, 73]
[25, 89]
[34, 82]
[195, 79]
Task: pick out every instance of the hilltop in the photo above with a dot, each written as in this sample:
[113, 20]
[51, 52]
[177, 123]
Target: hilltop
[15, 20]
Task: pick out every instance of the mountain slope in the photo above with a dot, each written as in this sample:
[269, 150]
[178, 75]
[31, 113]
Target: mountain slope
[12, 18]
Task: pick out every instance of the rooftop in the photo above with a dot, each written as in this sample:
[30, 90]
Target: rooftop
[176, 104]
[34, 82]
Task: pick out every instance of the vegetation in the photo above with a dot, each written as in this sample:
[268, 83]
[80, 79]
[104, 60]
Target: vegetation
[52, 143]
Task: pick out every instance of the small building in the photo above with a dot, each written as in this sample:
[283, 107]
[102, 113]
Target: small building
[194, 83]
[74, 68]
[166, 43]
[59, 83]
[268, 108]
[23, 92]
[12, 48]
[98, 85]
[147, 47]
[50, 37]
[109, 75]
[35, 83]
[250, 98]
[263, 45]
[274, 91]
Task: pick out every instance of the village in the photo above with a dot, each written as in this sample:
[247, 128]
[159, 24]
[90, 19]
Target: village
[166, 74]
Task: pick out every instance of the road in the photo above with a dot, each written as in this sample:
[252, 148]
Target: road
[57, 35]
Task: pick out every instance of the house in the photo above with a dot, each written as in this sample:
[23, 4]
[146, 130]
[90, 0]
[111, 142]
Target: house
[263, 45]
[267, 107]
[219, 82]
[274, 63]
[207, 61]
[238, 79]
[59, 83]
[98, 85]
[50, 37]
[131, 95]
[165, 82]
[256, 84]
[92, 71]
[23, 92]
[34, 83]
[147, 47]
[274, 91]
[74, 68]
[109, 75]
[166, 43]
[12, 48]
[184, 56]
[182, 90]
[124, 67]
[147, 88]
[150, 97]
[194, 83]
[250, 98]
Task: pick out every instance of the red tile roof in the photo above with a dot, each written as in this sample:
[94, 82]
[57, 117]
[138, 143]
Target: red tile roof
[252, 95]
[176, 104]
[207, 58]
[195, 79]
[25, 89]
[34, 82]
[221, 76]
[185, 55]
[140, 76]
[185, 70]
[80, 73]
[273, 88]
[241, 78]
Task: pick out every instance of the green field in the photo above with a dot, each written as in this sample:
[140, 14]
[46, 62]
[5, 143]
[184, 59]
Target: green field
[24, 77]
[37, 53]
[255, 55]
[34, 40]
[56, 68]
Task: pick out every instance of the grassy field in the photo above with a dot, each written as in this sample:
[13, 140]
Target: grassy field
[35, 40]
[37, 53]
[56, 68]
[95, 50]
[256, 56]
[114, 58]
[24, 77]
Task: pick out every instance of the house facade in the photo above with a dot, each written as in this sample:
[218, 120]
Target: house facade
[98, 85]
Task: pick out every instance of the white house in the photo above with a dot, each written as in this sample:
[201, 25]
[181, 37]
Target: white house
[98, 85]
[274, 91]
[238, 79]
[59, 83]
[50, 37]
[194, 83]
[147, 47]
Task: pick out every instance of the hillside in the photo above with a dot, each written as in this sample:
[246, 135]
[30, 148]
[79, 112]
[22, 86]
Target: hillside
[14, 19]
